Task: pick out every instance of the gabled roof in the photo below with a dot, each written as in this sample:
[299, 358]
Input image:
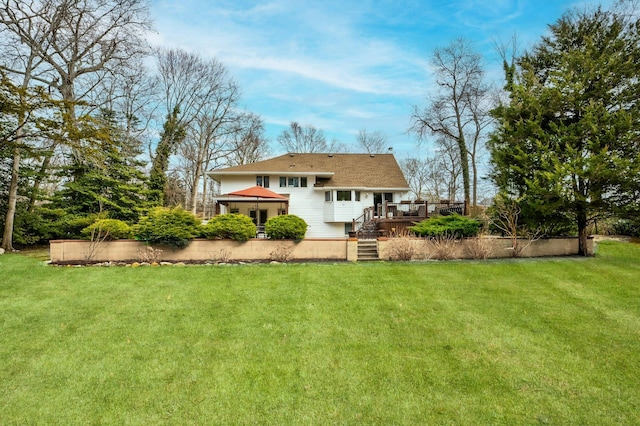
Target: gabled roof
[333, 170]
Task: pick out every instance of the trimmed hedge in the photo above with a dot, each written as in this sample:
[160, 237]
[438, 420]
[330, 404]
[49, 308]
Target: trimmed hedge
[175, 227]
[285, 227]
[447, 226]
[235, 226]
[109, 229]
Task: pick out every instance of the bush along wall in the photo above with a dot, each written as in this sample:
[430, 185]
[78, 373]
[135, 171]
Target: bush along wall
[285, 227]
[108, 229]
[454, 226]
[175, 227]
[237, 227]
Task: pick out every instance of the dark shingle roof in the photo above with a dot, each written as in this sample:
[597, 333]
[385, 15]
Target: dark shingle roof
[340, 170]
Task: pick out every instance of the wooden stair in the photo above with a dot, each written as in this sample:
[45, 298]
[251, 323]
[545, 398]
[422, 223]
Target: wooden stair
[367, 250]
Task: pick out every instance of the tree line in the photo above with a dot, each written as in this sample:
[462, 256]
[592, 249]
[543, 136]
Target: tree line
[82, 108]
[88, 127]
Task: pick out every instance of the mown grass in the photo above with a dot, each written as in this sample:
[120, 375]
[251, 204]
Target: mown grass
[545, 341]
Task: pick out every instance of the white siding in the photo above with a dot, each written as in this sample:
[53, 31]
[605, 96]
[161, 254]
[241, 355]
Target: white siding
[324, 219]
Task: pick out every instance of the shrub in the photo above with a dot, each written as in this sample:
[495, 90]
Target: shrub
[149, 254]
[286, 227]
[72, 226]
[108, 229]
[174, 227]
[480, 247]
[441, 248]
[627, 227]
[35, 226]
[281, 253]
[235, 226]
[447, 226]
[401, 248]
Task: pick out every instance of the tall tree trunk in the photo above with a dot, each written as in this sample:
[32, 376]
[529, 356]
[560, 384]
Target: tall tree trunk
[194, 189]
[583, 248]
[7, 236]
[204, 199]
[464, 159]
[39, 178]
[475, 177]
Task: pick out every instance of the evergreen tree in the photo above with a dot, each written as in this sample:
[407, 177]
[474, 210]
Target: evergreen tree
[115, 186]
[173, 134]
[567, 142]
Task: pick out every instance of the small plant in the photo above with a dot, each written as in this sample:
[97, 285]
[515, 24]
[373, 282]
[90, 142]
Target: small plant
[401, 245]
[401, 248]
[442, 248]
[447, 226]
[281, 254]
[149, 254]
[237, 227]
[108, 229]
[480, 247]
[506, 219]
[222, 255]
[286, 227]
[175, 227]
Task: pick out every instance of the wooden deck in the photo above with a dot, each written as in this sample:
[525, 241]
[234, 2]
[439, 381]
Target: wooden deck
[387, 219]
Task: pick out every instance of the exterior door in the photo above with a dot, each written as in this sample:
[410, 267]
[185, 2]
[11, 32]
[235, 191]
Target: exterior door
[263, 216]
[379, 198]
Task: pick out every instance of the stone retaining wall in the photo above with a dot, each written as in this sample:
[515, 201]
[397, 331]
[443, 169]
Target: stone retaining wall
[78, 251]
[312, 249]
[496, 247]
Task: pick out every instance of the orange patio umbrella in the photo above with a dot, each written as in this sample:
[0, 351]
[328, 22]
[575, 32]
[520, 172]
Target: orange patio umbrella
[258, 192]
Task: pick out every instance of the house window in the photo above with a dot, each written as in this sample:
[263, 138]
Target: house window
[357, 195]
[262, 181]
[343, 195]
[234, 211]
[293, 182]
[388, 197]
[348, 227]
[327, 195]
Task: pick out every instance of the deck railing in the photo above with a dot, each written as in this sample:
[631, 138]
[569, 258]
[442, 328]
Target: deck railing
[367, 216]
[401, 215]
[418, 209]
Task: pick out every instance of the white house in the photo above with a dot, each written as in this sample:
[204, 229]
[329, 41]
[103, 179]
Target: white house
[328, 191]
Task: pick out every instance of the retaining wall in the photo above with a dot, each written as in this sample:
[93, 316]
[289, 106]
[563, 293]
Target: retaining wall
[311, 249]
[496, 247]
[258, 249]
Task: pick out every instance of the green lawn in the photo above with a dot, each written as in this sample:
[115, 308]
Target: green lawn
[543, 341]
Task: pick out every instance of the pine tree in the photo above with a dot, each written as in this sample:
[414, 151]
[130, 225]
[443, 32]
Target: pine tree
[567, 142]
[115, 185]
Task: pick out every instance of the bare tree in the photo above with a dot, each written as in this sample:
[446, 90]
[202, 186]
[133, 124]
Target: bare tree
[68, 46]
[197, 94]
[455, 111]
[209, 137]
[418, 175]
[131, 93]
[307, 139]
[506, 219]
[249, 142]
[79, 41]
[372, 142]
[450, 165]
[431, 178]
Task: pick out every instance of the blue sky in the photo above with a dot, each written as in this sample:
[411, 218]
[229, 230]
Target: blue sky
[345, 65]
